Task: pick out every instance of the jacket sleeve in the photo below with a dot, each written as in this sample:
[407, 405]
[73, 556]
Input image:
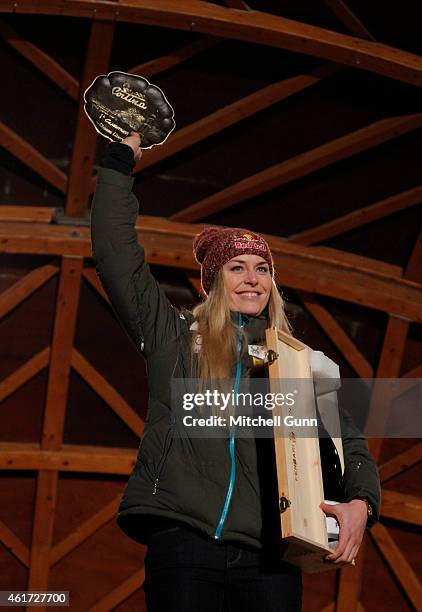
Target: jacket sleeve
[137, 299]
[361, 477]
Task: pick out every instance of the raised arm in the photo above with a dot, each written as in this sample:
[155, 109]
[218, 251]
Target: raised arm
[137, 299]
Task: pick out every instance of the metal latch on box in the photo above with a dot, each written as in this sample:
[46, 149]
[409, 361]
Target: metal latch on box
[271, 356]
[284, 503]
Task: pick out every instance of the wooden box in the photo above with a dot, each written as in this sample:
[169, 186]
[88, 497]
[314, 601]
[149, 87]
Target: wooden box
[300, 485]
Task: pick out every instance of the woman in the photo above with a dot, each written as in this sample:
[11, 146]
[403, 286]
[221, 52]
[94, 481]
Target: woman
[205, 506]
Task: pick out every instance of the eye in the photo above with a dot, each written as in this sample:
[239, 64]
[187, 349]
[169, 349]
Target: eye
[236, 268]
[263, 269]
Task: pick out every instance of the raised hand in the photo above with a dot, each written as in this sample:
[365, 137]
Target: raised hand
[134, 142]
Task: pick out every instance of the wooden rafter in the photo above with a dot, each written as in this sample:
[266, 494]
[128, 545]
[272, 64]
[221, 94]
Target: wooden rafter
[24, 287]
[231, 115]
[22, 375]
[83, 151]
[91, 276]
[315, 269]
[119, 594]
[253, 26]
[84, 531]
[101, 386]
[401, 462]
[402, 507]
[301, 165]
[337, 335]
[31, 214]
[42, 530]
[61, 353]
[32, 158]
[14, 544]
[71, 458]
[46, 64]
[359, 217]
[349, 19]
[158, 65]
[54, 415]
[398, 563]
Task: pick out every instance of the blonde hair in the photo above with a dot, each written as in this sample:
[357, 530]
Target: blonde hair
[218, 333]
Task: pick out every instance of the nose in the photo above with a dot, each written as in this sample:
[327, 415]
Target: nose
[251, 277]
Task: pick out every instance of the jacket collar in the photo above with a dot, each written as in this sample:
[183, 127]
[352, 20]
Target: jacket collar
[254, 326]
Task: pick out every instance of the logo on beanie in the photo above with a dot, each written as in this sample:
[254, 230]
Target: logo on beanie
[248, 241]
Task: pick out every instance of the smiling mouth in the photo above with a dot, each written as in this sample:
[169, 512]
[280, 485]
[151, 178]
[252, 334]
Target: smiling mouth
[249, 294]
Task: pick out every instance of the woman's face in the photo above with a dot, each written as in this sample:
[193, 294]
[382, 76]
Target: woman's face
[248, 283]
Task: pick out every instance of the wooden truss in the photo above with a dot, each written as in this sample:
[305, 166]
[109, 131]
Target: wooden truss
[308, 269]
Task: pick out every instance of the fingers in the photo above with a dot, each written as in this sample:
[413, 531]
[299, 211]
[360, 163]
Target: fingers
[136, 145]
[134, 142]
[136, 136]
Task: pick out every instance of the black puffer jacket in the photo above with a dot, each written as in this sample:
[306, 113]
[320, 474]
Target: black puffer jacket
[185, 478]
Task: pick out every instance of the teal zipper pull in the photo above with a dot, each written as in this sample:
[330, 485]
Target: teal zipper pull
[230, 489]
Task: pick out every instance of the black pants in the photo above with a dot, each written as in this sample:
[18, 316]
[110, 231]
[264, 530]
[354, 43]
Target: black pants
[188, 572]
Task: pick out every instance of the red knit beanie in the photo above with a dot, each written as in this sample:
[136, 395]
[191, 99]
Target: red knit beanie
[215, 246]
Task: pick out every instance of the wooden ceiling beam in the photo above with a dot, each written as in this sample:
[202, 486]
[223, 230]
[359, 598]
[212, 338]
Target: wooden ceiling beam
[31, 214]
[61, 352]
[401, 462]
[337, 335]
[24, 287]
[359, 217]
[42, 530]
[41, 60]
[57, 239]
[54, 417]
[398, 564]
[160, 64]
[24, 373]
[318, 270]
[253, 26]
[349, 19]
[71, 458]
[85, 142]
[84, 531]
[301, 165]
[31, 157]
[401, 507]
[14, 544]
[110, 396]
